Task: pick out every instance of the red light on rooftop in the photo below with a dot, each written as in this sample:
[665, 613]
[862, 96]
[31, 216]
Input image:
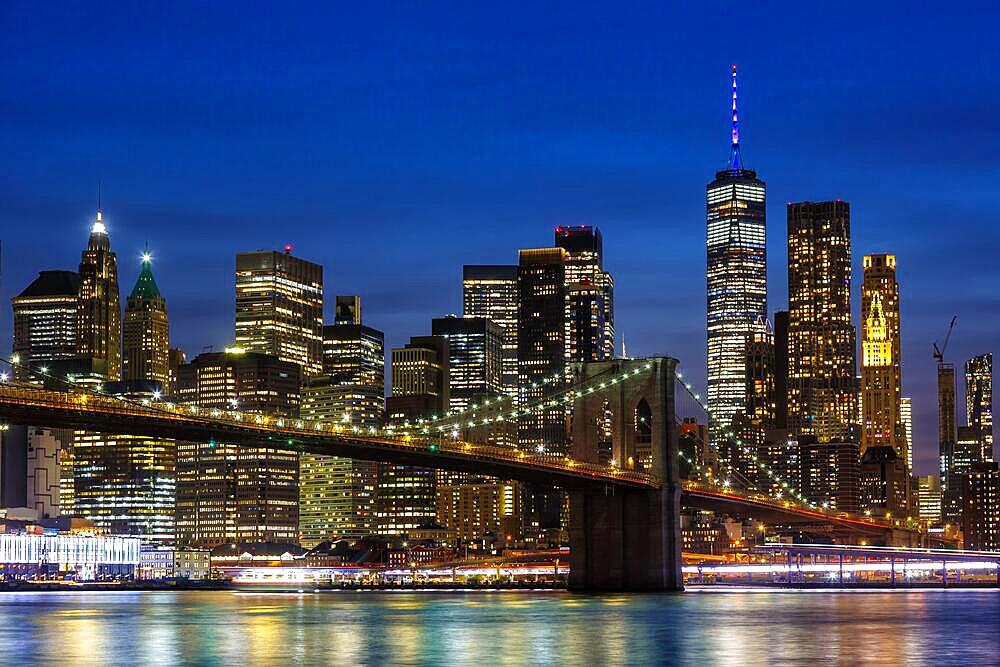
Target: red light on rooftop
[288, 248]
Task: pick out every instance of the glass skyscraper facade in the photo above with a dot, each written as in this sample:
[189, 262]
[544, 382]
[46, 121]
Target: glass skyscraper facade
[979, 399]
[45, 320]
[227, 493]
[490, 291]
[736, 276]
[822, 379]
[279, 307]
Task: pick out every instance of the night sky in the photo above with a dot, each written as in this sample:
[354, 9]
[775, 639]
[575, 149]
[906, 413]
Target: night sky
[394, 143]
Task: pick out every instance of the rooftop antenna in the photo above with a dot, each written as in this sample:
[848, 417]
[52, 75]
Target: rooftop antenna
[735, 158]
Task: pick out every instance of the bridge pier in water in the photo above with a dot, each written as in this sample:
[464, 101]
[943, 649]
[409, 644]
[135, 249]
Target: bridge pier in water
[627, 540]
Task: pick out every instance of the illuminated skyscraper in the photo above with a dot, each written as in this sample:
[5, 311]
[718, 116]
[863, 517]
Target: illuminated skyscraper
[146, 332]
[337, 495]
[475, 359]
[822, 381]
[590, 315]
[979, 399]
[45, 315]
[929, 499]
[882, 421]
[279, 307]
[125, 484]
[98, 323]
[541, 344]
[906, 416]
[737, 275]
[490, 291]
[475, 374]
[227, 493]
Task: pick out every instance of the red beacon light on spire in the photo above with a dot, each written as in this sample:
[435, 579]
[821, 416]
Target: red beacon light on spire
[288, 248]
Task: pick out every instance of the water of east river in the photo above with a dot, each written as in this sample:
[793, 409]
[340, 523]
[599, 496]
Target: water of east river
[748, 627]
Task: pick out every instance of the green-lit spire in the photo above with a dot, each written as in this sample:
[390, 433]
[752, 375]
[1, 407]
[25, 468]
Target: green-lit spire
[145, 285]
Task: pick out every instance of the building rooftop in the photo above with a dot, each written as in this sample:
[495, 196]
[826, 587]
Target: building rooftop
[52, 283]
[145, 285]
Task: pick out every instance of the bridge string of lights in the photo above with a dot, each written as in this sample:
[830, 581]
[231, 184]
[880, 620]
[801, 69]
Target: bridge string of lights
[488, 404]
[595, 384]
[747, 449]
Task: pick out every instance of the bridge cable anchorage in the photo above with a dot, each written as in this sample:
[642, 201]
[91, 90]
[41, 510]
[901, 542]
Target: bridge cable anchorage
[747, 449]
[216, 416]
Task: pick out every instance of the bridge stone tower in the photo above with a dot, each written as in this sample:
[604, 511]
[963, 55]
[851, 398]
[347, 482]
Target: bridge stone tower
[627, 540]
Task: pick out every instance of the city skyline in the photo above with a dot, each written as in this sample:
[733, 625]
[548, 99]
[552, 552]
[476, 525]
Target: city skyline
[195, 238]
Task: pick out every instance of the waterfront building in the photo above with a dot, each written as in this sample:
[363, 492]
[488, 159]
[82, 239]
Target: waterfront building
[124, 484]
[881, 384]
[822, 381]
[829, 473]
[98, 315]
[472, 511]
[981, 507]
[160, 563]
[490, 291]
[337, 495]
[979, 399]
[145, 332]
[87, 557]
[279, 307]
[736, 275]
[227, 493]
[45, 320]
[929, 499]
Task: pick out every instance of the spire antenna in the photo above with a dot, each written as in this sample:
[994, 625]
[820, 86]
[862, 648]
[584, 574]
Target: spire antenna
[735, 158]
[98, 227]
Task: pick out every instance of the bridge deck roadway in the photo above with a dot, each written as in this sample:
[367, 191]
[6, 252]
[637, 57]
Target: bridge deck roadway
[54, 409]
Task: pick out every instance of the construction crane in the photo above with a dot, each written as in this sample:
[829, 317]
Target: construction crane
[939, 352]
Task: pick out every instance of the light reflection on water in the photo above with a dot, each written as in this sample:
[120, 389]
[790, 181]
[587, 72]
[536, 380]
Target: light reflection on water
[510, 628]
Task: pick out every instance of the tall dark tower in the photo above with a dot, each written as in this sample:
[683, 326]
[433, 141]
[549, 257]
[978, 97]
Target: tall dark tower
[822, 352]
[736, 275]
[99, 326]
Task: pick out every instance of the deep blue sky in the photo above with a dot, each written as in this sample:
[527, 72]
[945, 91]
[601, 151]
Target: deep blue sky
[395, 142]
